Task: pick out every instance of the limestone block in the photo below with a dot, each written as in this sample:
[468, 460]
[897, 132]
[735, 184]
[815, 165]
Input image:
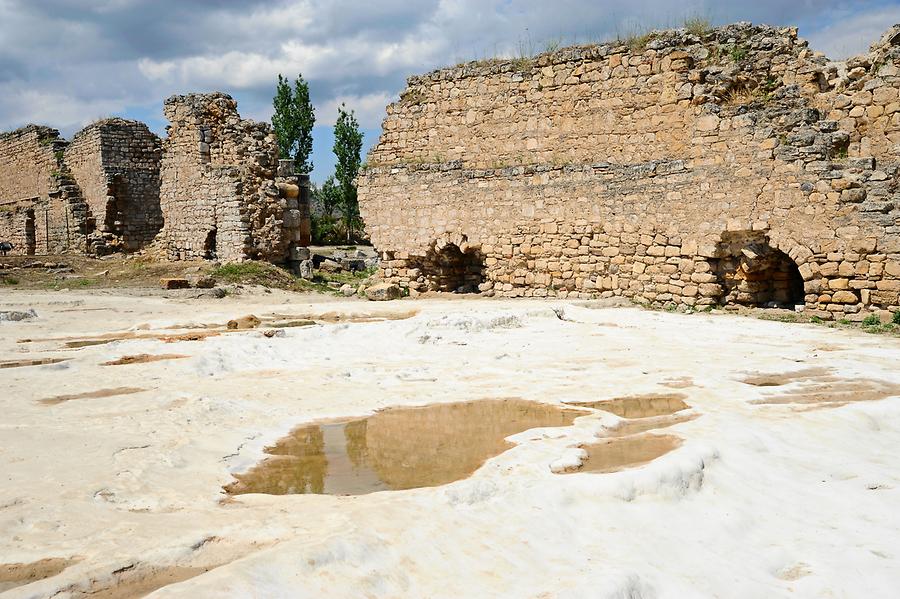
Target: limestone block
[844, 297]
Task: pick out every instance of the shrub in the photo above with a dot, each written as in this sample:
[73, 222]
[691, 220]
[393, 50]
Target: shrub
[871, 320]
[738, 53]
[896, 319]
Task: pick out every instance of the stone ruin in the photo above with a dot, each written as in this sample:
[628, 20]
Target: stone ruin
[214, 188]
[733, 167]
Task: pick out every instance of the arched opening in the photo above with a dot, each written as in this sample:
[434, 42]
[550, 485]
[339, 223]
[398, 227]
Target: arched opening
[209, 245]
[30, 236]
[448, 268]
[754, 274]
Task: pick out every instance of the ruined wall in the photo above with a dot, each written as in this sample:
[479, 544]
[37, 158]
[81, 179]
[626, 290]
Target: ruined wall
[219, 197]
[604, 170]
[116, 165]
[41, 208]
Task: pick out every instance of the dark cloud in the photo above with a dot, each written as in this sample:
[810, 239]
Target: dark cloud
[66, 62]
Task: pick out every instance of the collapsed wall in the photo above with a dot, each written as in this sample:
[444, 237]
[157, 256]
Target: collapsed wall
[213, 189]
[732, 167]
[41, 208]
[116, 165]
[219, 196]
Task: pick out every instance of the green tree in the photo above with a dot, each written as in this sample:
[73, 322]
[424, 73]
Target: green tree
[325, 200]
[348, 148]
[293, 122]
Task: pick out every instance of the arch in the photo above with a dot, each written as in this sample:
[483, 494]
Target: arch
[452, 265]
[753, 272]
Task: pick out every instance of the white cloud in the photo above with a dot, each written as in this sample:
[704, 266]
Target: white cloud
[56, 109]
[853, 35]
[369, 108]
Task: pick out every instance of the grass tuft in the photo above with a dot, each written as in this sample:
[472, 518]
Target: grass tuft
[698, 26]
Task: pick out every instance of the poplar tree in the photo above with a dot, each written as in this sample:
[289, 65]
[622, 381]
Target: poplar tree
[293, 122]
[347, 148]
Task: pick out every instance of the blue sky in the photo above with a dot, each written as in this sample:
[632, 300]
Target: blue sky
[65, 63]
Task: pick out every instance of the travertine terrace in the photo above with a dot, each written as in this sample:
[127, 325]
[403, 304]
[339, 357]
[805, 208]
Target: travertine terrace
[734, 166]
[214, 188]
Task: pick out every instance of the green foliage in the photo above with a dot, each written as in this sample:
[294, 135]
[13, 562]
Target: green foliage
[738, 53]
[9, 280]
[293, 122]
[816, 320]
[348, 149]
[896, 318]
[871, 320]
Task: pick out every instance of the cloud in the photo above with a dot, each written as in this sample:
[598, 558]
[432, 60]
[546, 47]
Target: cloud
[64, 62]
[853, 35]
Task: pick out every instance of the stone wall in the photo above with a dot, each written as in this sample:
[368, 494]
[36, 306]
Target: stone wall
[219, 195]
[213, 189]
[724, 168]
[41, 208]
[116, 164]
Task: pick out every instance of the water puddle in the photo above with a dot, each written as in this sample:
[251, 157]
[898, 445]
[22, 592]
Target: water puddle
[759, 379]
[833, 393]
[101, 393]
[16, 575]
[816, 388]
[396, 448]
[639, 406]
[143, 582]
[34, 362]
[142, 359]
[361, 317]
[620, 453]
[642, 425]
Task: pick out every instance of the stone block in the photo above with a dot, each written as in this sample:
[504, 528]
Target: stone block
[174, 283]
[383, 292]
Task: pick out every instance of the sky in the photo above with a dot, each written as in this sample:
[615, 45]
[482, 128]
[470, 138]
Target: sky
[65, 63]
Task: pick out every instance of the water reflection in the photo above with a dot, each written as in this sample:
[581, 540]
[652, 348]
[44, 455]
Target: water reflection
[396, 448]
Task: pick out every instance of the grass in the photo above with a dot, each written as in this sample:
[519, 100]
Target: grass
[75, 283]
[698, 26]
[9, 281]
[637, 42]
[738, 53]
[271, 276]
[253, 273]
[742, 96]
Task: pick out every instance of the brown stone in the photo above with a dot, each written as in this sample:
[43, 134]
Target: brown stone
[174, 283]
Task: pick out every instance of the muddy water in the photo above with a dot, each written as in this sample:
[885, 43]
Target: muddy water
[142, 359]
[99, 394]
[396, 448]
[35, 362]
[15, 575]
[627, 452]
[640, 406]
